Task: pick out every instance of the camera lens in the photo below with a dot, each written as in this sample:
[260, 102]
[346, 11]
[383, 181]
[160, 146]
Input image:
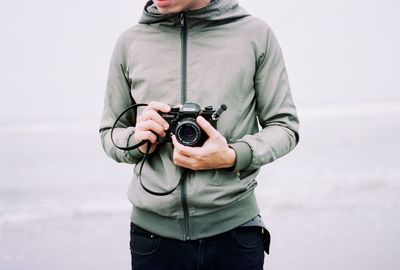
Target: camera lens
[188, 132]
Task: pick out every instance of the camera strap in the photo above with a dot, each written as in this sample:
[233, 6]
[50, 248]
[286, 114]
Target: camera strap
[134, 106]
[145, 157]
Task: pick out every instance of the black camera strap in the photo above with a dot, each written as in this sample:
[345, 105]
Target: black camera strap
[134, 106]
[145, 157]
[156, 193]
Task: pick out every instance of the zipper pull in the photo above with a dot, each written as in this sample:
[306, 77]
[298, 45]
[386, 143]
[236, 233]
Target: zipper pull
[182, 19]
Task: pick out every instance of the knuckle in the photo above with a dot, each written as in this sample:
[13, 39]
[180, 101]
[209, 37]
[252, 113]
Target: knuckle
[179, 150]
[146, 124]
[155, 116]
[141, 126]
[145, 116]
[155, 127]
[194, 165]
[150, 136]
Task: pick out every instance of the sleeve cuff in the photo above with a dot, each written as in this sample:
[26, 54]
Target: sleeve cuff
[244, 155]
[135, 153]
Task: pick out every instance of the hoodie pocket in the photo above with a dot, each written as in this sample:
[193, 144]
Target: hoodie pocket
[219, 177]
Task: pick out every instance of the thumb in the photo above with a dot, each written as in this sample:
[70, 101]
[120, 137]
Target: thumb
[207, 127]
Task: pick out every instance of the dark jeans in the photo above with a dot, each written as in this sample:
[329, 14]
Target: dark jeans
[239, 249]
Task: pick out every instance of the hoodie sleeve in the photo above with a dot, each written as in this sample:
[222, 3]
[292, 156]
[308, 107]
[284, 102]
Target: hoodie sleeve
[118, 98]
[276, 112]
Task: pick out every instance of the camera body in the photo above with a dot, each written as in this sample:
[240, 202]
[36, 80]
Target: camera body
[182, 123]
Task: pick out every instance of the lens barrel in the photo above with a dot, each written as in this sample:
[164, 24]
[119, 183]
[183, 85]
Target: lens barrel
[188, 132]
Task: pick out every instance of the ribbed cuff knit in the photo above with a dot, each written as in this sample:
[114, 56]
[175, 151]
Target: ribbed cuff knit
[244, 155]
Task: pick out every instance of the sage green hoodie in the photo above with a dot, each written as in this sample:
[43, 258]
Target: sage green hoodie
[215, 55]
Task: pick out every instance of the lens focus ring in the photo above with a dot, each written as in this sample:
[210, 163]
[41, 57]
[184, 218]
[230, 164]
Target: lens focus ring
[188, 132]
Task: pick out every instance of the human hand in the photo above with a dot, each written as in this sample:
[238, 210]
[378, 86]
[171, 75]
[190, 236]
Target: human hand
[150, 124]
[213, 154]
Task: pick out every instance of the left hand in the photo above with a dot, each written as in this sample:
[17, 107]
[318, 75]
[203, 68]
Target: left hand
[213, 154]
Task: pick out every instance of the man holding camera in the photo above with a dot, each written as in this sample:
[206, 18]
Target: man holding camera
[193, 206]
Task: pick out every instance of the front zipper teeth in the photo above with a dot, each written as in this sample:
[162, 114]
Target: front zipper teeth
[185, 211]
[185, 207]
[183, 58]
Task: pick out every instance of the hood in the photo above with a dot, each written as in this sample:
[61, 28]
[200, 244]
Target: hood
[217, 10]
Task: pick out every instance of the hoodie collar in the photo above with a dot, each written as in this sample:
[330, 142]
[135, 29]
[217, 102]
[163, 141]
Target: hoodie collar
[215, 11]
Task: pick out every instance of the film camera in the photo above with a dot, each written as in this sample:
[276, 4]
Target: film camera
[182, 123]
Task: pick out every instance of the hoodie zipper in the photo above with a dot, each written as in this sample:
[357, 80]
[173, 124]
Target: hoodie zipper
[186, 218]
[184, 34]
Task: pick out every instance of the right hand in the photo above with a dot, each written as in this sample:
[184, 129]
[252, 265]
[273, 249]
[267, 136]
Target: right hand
[150, 124]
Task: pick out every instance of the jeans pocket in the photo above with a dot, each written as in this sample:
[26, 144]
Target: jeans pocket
[249, 237]
[143, 242]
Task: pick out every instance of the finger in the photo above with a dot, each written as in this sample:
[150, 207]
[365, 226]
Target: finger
[207, 127]
[158, 106]
[182, 149]
[182, 161]
[151, 125]
[155, 116]
[177, 145]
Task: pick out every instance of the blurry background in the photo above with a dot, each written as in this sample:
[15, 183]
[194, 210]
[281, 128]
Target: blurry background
[333, 203]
